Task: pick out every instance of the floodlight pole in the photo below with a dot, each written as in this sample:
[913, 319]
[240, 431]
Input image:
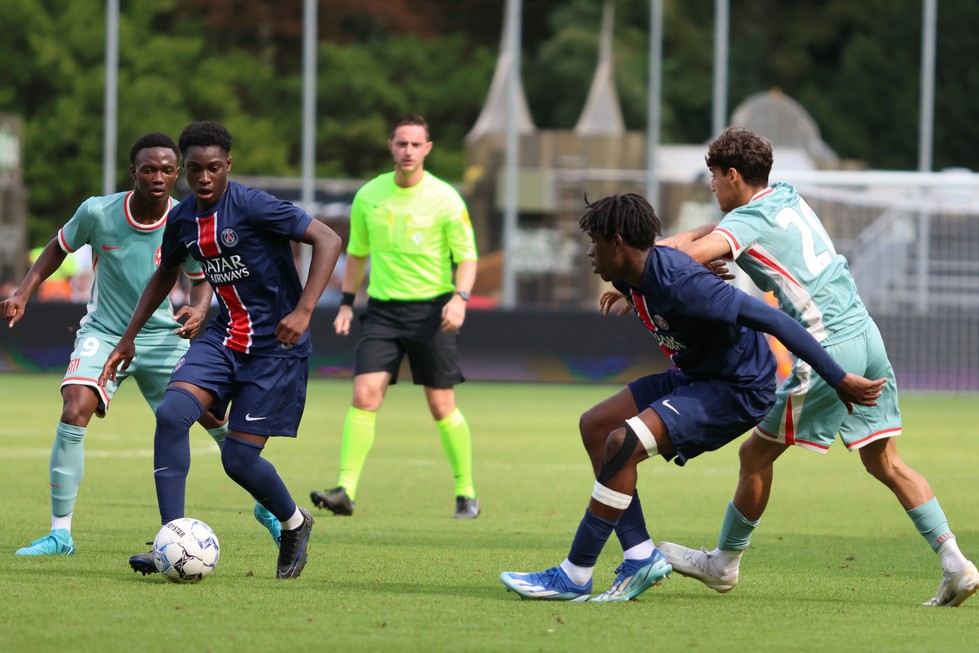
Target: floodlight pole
[308, 194]
[926, 119]
[511, 156]
[927, 100]
[111, 100]
[721, 37]
[655, 100]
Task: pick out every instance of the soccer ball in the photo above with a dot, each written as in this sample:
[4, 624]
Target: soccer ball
[186, 550]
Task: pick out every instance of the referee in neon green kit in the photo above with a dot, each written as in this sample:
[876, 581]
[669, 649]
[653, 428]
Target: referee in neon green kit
[413, 226]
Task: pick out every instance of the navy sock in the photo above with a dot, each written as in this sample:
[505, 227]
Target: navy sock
[631, 527]
[171, 450]
[593, 533]
[244, 464]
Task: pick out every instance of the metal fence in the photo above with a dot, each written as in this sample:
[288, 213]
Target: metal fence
[913, 252]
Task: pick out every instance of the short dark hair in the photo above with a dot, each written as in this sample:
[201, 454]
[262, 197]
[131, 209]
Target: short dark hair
[411, 119]
[627, 214]
[742, 149]
[205, 134]
[151, 140]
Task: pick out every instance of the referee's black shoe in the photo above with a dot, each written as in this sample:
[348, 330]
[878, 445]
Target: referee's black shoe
[466, 508]
[336, 500]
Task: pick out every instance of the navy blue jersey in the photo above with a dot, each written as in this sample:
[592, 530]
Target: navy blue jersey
[693, 314]
[244, 245]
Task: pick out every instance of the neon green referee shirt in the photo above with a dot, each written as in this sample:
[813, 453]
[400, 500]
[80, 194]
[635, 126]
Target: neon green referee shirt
[412, 236]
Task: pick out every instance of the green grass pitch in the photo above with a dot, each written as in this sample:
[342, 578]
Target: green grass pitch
[835, 566]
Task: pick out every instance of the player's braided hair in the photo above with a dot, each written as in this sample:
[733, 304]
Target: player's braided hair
[627, 214]
[742, 149]
[205, 134]
[151, 140]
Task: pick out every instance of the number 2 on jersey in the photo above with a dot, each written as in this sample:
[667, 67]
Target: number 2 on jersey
[809, 229]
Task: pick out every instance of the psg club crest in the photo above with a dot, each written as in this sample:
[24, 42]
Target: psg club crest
[229, 237]
[661, 323]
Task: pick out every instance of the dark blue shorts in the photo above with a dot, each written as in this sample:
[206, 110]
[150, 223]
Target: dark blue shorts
[267, 394]
[702, 415]
[394, 329]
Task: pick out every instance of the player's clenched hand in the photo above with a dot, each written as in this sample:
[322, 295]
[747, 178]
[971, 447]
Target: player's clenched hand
[612, 301]
[291, 328]
[123, 353]
[854, 389]
[12, 309]
[192, 324]
[341, 324]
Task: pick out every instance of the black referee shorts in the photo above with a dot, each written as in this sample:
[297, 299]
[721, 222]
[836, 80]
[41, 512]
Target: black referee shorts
[394, 328]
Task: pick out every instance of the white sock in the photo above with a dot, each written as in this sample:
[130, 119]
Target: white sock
[729, 560]
[639, 552]
[952, 558]
[293, 522]
[61, 522]
[578, 575]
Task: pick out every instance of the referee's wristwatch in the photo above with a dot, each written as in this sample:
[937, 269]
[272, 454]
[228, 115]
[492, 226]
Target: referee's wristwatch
[463, 294]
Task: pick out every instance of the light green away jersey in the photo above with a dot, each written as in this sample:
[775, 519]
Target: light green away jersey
[412, 236]
[778, 240]
[125, 254]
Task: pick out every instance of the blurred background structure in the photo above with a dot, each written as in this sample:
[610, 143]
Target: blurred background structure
[534, 106]
[13, 205]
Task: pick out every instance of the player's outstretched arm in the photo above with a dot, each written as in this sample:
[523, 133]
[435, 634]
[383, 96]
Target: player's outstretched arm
[326, 250]
[51, 258]
[710, 249]
[157, 288]
[851, 388]
[683, 238]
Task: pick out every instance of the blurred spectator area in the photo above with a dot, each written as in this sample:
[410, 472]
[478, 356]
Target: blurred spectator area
[72, 281]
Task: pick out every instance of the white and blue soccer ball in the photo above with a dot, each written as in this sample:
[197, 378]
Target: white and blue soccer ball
[186, 550]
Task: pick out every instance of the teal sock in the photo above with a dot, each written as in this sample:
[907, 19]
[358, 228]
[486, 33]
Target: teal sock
[736, 530]
[66, 468]
[218, 434]
[930, 520]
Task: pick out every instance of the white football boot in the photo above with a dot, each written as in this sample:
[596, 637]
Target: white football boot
[706, 566]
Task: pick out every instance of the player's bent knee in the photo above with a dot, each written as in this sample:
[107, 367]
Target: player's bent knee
[592, 433]
[238, 457]
[619, 447]
[178, 410]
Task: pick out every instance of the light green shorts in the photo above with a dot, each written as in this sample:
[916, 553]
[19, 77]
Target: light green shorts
[151, 367]
[809, 413]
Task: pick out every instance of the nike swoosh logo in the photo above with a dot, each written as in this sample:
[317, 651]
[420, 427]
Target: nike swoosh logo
[160, 469]
[249, 418]
[111, 247]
